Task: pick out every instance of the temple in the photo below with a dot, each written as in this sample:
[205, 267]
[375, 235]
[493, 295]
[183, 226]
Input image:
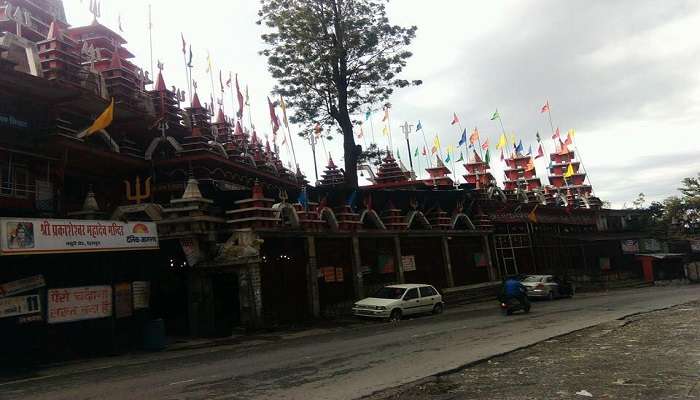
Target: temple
[175, 210]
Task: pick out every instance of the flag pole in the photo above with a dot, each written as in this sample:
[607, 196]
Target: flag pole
[150, 40]
[500, 121]
[425, 141]
[211, 79]
[478, 137]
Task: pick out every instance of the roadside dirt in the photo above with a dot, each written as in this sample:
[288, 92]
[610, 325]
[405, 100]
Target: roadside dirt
[649, 356]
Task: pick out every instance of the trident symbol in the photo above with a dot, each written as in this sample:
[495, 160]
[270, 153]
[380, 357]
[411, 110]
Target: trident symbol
[138, 196]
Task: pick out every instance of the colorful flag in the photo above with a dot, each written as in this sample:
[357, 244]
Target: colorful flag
[247, 99]
[415, 153]
[317, 130]
[563, 148]
[532, 216]
[461, 157]
[474, 137]
[425, 151]
[568, 140]
[273, 117]
[539, 139]
[386, 114]
[455, 119]
[495, 115]
[221, 82]
[556, 134]
[569, 171]
[102, 122]
[485, 145]
[398, 154]
[447, 159]
[545, 107]
[189, 61]
[119, 23]
[572, 133]
[283, 106]
[240, 98]
[182, 36]
[519, 147]
[502, 157]
[433, 150]
[501, 142]
[385, 130]
[368, 114]
[463, 139]
[436, 142]
[208, 62]
[361, 133]
[540, 152]
[487, 157]
[419, 126]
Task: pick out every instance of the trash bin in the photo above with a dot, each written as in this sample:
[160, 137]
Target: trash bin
[154, 335]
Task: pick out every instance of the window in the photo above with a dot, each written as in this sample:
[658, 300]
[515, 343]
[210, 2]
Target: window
[411, 294]
[427, 291]
[14, 182]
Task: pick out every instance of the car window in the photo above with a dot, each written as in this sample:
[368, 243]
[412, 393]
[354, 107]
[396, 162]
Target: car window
[532, 278]
[549, 279]
[427, 291]
[389, 293]
[411, 294]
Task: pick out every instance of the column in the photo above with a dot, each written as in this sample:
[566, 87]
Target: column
[493, 275]
[250, 295]
[397, 260]
[312, 278]
[357, 269]
[447, 262]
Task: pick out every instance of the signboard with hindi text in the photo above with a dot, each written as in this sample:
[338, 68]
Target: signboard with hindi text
[79, 303]
[39, 235]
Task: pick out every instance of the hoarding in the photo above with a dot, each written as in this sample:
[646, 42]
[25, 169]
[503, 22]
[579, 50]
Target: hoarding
[20, 305]
[141, 291]
[408, 263]
[37, 235]
[79, 303]
[21, 285]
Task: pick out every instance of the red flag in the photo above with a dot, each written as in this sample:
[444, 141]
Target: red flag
[540, 152]
[545, 107]
[240, 99]
[239, 130]
[556, 134]
[568, 140]
[425, 151]
[228, 82]
[485, 145]
[184, 45]
[273, 117]
[530, 165]
[455, 119]
[502, 158]
[563, 148]
[317, 130]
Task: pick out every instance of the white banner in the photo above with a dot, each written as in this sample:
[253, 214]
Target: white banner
[141, 291]
[37, 235]
[22, 285]
[408, 263]
[79, 303]
[21, 305]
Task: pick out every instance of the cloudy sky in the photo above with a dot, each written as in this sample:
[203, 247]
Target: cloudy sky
[625, 75]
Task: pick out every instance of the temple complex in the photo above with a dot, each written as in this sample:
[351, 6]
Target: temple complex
[180, 212]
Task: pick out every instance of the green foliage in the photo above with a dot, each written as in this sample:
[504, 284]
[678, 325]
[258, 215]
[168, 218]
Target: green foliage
[331, 58]
[372, 155]
[678, 214]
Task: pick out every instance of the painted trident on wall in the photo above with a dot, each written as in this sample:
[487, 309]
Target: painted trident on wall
[139, 195]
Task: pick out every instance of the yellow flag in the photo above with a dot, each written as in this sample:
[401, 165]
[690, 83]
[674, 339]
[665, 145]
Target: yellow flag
[572, 133]
[385, 131]
[532, 216]
[501, 141]
[436, 142]
[569, 171]
[103, 121]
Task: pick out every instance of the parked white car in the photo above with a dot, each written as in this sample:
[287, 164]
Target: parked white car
[547, 287]
[395, 301]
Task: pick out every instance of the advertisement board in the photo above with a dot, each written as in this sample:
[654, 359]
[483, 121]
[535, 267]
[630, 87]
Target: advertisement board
[37, 235]
[630, 246]
[408, 263]
[141, 292]
[20, 305]
[79, 303]
[21, 285]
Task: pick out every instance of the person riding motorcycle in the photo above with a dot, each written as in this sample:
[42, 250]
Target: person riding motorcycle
[513, 289]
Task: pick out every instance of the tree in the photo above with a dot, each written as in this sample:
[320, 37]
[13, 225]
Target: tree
[639, 202]
[333, 57]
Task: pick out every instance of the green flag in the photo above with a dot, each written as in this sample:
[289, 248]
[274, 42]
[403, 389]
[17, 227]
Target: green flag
[448, 158]
[487, 159]
[415, 154]
[398, 154]
[495, 115]
[461, 157]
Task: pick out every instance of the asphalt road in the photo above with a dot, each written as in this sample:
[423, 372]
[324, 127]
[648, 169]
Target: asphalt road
[344, 364]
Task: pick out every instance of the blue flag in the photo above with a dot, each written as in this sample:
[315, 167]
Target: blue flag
[368, 114]
[519, 148]
[419, 126]
[302, 199]
[463, 139]
[447, 159]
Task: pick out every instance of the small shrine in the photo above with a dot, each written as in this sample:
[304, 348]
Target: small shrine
[255, 212]
[439, 218]
[332, 176]
[190, 214]
[520, 173]
[59, 55]
[393, 219]
[439, 176]
[390, 171]
[478, 172]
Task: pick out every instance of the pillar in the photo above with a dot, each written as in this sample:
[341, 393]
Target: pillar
[357, 269]
[250, 295]
[312, 278]
[493, 274]
[447, 262]
[397, 257]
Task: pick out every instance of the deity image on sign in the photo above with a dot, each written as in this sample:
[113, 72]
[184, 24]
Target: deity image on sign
[20, 235]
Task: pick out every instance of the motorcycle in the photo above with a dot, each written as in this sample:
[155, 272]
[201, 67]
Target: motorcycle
[511, 305]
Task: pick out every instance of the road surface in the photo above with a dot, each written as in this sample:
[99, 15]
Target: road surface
[344, 364]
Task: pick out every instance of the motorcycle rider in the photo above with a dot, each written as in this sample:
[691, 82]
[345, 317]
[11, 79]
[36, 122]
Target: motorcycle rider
[513, 289]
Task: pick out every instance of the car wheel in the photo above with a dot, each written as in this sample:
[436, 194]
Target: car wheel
[395, 315]
[550, 295]
[438, 308]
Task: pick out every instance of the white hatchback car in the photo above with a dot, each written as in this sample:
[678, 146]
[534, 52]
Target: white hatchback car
[395, 301]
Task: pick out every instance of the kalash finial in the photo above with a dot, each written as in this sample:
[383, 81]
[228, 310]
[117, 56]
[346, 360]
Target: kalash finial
[192, 188]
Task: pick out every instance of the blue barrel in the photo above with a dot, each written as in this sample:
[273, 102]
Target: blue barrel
[154, 335]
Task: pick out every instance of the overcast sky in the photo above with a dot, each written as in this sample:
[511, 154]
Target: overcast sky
[625, 75]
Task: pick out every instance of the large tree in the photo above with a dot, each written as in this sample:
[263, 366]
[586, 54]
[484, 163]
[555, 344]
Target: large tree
[331, 58]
